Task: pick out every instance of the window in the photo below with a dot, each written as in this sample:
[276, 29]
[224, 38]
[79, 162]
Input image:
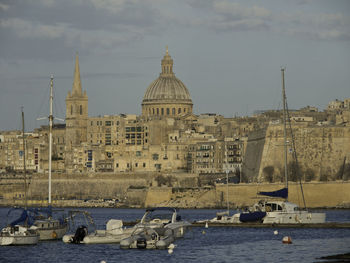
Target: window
[81, 109]
[144, 165]
[167, 111]
[173, 111]
[71, 109]
[179, 110]
[155, 156]
[157, 111]
[162, 111]
[117, 165]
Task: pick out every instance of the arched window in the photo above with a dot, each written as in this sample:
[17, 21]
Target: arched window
[179, 110]
[157, 111]
[81, 109]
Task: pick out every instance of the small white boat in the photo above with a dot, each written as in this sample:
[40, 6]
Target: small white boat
[221, 217]
[114, 233]
[18, 235]
[158, 228]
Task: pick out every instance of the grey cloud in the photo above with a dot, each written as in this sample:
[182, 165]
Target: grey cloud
[73, 25]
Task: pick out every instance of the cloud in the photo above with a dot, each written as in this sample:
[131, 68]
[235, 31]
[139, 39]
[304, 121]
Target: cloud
[321, 26]
[224, 15]
[4, 7]
[28, 29]
[236, 11]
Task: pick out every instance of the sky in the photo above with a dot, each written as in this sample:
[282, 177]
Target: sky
[228, 54]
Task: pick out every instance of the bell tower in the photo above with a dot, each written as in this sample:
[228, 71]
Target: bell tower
[76, 115]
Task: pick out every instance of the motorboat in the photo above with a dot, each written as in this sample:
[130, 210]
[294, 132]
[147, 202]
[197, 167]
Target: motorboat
[114, 233]
[86, 232]
[81, 222]
[158, 228]
[220, 218]
[19, 234]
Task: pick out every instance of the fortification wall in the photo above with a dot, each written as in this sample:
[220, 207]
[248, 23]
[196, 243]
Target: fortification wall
[321, 151]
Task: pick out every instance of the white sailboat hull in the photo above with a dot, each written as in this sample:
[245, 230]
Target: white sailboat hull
[19, 240]
[300, 217]
[18, 235]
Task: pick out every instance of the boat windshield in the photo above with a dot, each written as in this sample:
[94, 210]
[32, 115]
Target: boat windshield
[269, 207]
[158, 214]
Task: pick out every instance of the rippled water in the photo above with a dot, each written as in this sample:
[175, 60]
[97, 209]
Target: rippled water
[221, 244]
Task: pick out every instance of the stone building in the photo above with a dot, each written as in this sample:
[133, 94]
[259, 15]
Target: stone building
[167, 137]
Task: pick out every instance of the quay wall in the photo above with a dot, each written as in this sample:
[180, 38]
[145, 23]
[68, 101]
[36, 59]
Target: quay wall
[143, 191]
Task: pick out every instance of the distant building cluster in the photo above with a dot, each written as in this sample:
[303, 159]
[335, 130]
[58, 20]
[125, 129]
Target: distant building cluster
[166, 137]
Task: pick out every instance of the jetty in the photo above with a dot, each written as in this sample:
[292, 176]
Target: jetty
[260, 225]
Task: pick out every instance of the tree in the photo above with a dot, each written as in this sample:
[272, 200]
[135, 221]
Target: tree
[309, 175]
[268, 172]
[293, 172]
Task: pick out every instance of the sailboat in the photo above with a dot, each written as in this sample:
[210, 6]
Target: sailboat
[20, 231]
[281, 211]
[49, 228]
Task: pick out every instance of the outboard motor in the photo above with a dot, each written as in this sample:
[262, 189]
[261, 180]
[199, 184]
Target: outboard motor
[80, 233]
[141, 243]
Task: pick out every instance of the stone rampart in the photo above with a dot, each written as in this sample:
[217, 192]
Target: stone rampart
[321, 151]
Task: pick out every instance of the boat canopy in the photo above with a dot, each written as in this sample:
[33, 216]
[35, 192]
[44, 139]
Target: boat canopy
[252, 216]
[39, 211]
[24, 218]
[283, 193]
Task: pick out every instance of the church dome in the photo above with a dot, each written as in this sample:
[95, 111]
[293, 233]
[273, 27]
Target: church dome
[166, 95]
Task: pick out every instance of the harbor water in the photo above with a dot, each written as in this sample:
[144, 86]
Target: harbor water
[213, 244]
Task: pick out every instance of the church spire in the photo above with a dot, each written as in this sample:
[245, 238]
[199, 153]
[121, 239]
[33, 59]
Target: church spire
[76, 83]
[167, 65]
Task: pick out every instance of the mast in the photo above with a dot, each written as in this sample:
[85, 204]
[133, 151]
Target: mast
[284, 129]
[24, 163]
[50, 136]
[228, 204]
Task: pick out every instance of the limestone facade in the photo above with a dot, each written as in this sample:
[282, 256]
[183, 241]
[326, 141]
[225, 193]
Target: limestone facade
[168, 137]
